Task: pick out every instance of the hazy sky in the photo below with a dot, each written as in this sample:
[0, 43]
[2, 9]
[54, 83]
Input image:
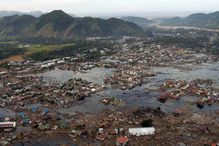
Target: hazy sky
[110, 6]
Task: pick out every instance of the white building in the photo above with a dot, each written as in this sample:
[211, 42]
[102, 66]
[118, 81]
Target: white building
[7, 125]
[142, 131]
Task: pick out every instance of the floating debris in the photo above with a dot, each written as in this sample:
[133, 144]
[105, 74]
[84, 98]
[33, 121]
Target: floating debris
[111, 101]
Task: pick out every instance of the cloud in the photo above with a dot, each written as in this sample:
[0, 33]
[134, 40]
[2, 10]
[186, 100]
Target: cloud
[87, 6]
[44, 5]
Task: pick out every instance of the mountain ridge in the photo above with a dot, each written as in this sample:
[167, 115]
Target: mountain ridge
[5, 13]
[59, 24]
[200, 20]
[140, 21]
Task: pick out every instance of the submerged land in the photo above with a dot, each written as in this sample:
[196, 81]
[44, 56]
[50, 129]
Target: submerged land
[91, 91]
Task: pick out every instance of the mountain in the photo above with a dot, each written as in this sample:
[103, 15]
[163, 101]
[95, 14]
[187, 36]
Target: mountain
[34, 13]
[142, 22]
[15, 25]
[11, 13]
[58, 24]
[201, 20]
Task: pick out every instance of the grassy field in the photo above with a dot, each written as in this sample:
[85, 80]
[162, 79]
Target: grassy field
[42, 48]
[9, 42]
[12, 50]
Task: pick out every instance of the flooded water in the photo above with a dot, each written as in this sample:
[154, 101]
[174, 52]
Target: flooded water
[111, 60]
[204, 71]
[4, 112]
[95, 75]
[33, 107]
[138, 98]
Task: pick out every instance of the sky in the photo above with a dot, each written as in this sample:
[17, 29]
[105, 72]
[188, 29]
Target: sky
[95, 7]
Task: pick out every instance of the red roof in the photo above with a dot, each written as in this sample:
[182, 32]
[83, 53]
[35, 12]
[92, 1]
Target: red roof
[122, 139]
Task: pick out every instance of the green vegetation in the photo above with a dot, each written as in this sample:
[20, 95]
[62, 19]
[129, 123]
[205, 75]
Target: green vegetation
[8, 51]
[182, 41]
[45, 48]
[8, 42]
[44, 41]
[80, 47]
[10, 48]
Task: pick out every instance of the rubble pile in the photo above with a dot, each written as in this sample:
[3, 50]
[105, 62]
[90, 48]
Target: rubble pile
[33, 89]
[153, 55]
[202, 89]
[117, 128]
[18, 89]
[79, 88]
[111, 101]
[129, 77]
